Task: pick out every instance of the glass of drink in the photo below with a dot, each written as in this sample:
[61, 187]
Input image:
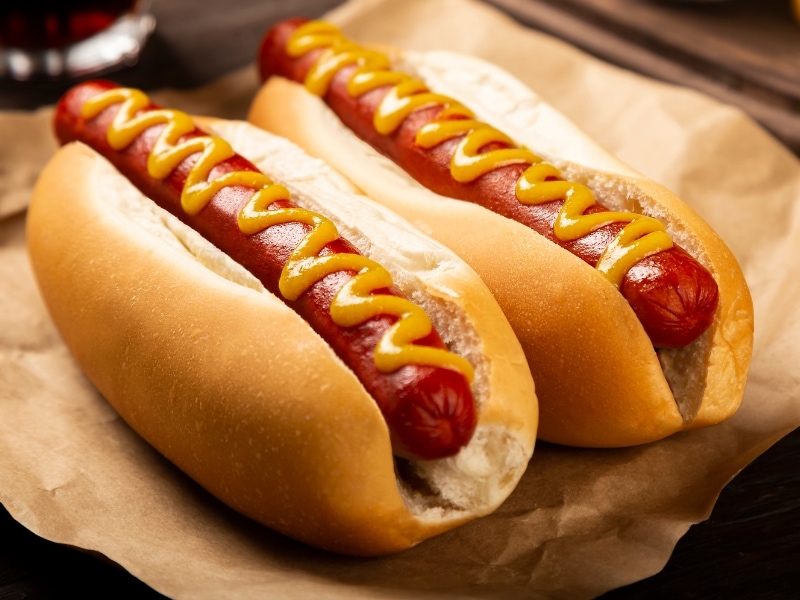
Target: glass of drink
[66, 39]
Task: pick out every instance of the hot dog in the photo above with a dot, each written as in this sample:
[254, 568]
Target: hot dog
[600, 382]
[422, 424]
[278, 363]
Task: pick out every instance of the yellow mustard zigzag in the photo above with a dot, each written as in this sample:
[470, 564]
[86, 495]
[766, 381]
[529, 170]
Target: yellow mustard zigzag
[541, 182]
[354, 303]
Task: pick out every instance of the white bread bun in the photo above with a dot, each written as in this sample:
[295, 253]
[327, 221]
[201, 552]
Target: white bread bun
[598, 379]
[237, 390]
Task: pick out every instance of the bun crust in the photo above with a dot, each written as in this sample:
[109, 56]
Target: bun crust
[239, 392]
[598, 379]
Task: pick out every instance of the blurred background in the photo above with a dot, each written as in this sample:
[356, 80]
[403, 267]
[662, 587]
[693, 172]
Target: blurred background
[743, 52]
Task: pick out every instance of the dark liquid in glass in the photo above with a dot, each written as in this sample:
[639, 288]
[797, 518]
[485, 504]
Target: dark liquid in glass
[40, 24]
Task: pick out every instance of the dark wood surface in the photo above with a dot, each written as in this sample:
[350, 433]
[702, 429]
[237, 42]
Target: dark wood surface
[750, 546]
[742, 52]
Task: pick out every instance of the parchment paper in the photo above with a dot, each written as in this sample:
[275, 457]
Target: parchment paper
[581, 522]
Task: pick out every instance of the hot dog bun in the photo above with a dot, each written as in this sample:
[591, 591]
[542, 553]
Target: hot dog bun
[237, 390]
[598, 379]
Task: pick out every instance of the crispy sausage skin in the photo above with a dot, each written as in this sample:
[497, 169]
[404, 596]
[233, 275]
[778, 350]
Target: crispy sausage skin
[674, 296]
[429, 410]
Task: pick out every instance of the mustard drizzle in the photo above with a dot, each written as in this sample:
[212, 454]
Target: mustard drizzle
[354, 304]
[541, 182]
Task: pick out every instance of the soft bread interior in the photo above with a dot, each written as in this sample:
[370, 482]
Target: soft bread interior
[436, 495]
[504, 102]
[485, 471]
[695, 386]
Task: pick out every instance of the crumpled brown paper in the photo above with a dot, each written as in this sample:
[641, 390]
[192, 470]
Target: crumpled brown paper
[580, 523]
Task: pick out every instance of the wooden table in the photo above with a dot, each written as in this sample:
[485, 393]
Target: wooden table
[742, 52]
[750, 547]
